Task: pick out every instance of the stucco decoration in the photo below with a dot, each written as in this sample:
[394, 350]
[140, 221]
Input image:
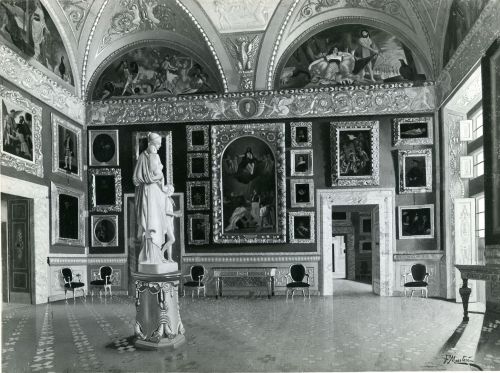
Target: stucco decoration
[76, 12]
[305, 103]
[239, 16]
[244, 49]
[29, 29]
[15, 69]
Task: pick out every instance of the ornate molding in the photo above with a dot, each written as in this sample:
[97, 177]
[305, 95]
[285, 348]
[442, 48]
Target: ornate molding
[15, 69]
[245, 258]
[76, 12]
[110, 259]
[409, 257]
[301, 103]
[243, 49]
[479, 272]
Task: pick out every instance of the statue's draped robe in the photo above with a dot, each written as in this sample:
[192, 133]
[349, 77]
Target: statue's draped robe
[150, 202]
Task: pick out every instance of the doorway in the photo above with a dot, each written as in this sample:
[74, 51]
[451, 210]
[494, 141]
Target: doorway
[383, 236]
[339, 250]
[17, 249]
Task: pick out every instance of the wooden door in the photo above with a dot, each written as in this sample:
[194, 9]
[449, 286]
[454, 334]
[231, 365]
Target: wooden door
[338, 259]
[19, 250]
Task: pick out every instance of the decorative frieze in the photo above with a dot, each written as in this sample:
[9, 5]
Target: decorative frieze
[245, 258]
[107, 260]
[409, 257]
[396, 98]
[15, 69]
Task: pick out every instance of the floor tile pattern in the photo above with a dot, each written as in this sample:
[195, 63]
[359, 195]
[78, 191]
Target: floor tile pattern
[354, 330]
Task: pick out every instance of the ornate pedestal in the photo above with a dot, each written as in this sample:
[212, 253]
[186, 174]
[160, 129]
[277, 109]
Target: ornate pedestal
[158, 322]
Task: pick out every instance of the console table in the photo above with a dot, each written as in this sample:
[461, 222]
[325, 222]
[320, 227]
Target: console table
[246, 276]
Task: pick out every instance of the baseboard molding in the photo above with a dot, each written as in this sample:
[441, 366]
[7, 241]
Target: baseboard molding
[58, 297]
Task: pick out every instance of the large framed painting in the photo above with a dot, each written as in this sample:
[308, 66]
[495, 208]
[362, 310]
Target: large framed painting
[248, 183]
[197, 138]
[412, 131]
[415, 171]
[355, 153]
[104, 230]
[68, 220]
[140, 143]
[103, 148]
[197, 164]
[66, 148]
[198, 229]
[301, 134]
[301, 162]
[198, 195]
[301, 227]
[21, 135]
[302, 193]
[105, 189]
[416, 221]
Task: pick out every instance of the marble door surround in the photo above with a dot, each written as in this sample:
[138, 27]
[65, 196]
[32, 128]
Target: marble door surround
[384, 198]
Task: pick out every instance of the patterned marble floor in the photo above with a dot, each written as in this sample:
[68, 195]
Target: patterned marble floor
[352, 331]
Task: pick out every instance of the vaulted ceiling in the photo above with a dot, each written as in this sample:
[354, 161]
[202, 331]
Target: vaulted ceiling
[213, 32]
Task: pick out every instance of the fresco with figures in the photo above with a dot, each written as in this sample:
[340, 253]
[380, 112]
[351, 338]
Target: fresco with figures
[25, 25]
[153, 70]
[463, 15]
[350, 54]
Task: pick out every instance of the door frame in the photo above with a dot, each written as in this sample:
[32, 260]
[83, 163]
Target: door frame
[385, 199]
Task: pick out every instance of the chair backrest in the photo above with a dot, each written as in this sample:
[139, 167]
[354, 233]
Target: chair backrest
[105, 271]
[67, 274]
[298, 272]
[418, 272]
[196, 272]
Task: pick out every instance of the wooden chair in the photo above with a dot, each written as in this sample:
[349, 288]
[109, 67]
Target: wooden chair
[295, 280]
[102, 280]
[418, 281]
[196, 276]
[69, 284]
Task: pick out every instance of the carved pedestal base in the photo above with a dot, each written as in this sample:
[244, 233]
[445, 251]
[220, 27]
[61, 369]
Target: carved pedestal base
[465, 294]
[158, 268]
[158, 321]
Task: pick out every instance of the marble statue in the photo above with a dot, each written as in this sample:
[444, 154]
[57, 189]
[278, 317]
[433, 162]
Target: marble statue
[154, 210]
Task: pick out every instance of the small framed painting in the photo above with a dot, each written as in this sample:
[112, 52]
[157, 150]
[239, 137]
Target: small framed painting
[68, 221]
[66, 148]
[105, 189]
[21, 134]
[301, 227]
[415, 171]
[412, 131]
[365, 246]
[197, 165]
[301, 162]
[198, 195]
[198, 229]
[103, 148]
[365, 224]
[104, 230]
[416, 221]
[197, 138]
[302, 193]
[301, 134]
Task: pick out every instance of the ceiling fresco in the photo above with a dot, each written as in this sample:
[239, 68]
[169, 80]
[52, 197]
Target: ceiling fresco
[239, 15]
[26, 26]
[350, 54]
[154, 70]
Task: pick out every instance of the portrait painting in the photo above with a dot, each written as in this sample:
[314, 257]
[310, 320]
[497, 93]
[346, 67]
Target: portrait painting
[66, 148]
[140, 143]
[301, 134]
[355, 153]
[412, 131]
[103, 148]
[105, 189]
[28, 28]
[416, 221]
[198, 229]
[104, 230]
[302, 193]
[68, 222]
[301, 162]
[249, 186]
[197, 138]
[415, 171]
[154, 70]
[21, 135]
[247, 107]
[301, 227]
[349, 54]
[197, 165]
[198, 195]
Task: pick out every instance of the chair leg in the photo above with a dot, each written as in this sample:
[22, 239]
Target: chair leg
[309, 293]
[73, 295]
[293, 291]
[411, 296]
[204, 291]
[65, 294]
[303, 293]
[183, 292]
[286, 294]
